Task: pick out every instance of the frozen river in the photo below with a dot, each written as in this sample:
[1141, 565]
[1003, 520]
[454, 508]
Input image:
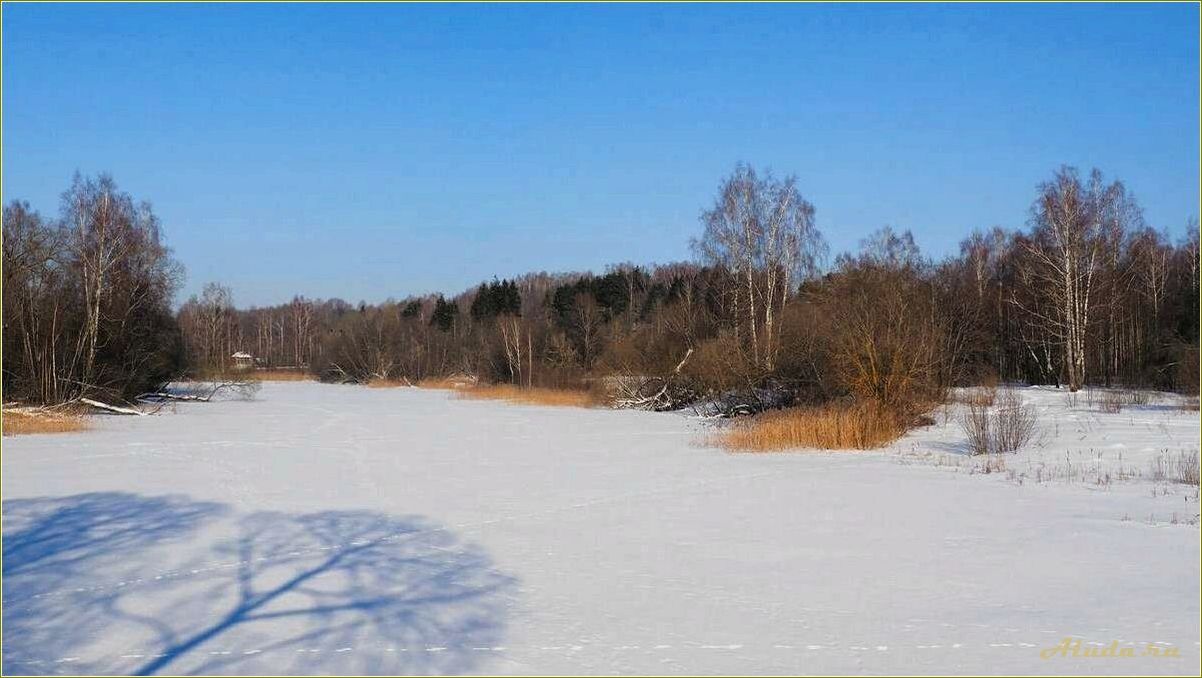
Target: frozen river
[338, 529]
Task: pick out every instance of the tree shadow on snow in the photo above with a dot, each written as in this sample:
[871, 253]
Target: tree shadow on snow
[122, 583]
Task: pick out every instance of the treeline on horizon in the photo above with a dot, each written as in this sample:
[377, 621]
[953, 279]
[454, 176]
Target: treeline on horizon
[1086, 294]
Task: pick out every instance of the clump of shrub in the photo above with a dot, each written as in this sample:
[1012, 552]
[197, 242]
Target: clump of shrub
[982, 396]
[834, 426]
[1180, 468]
[1111, 402]
[1003, 427]
[1139, 397]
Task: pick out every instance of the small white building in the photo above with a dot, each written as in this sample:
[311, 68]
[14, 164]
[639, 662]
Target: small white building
[243, 360]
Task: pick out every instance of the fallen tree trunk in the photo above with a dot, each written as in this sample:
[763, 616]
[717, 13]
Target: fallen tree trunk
[657, 394]
[112, 408]
[245, 388]
[162, 395]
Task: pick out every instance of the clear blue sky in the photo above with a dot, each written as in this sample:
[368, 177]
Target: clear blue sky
[380, 150]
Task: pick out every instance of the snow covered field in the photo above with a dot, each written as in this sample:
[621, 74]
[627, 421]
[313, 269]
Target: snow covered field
[338, 529]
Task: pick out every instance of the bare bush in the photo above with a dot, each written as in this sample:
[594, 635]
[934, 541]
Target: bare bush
[1180, 468]
[1139, 397]
[1187, 468]
[976, 425]
[979, 395]
[1014, 422]
[886, 342]
[1111, 402]
[1003, 428]
[995, 463]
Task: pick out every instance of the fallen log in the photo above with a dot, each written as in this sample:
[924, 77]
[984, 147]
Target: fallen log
[658, 394]
[159, 395]
[246, 389]
[112, 408]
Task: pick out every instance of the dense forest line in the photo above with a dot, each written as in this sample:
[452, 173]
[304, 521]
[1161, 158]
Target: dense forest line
[1087, 293]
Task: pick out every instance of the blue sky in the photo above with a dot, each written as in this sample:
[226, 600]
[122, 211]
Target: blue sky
[379, 150]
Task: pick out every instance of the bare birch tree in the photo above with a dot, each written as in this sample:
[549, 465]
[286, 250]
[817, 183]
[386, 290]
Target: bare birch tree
[762, 230]
[1072, 221]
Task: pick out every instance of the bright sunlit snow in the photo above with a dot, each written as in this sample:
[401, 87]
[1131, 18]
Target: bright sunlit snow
[340, 529]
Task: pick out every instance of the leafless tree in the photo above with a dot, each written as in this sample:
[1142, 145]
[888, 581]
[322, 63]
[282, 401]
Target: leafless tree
[101, 219]
[301, 317]
[587, 320]
[763, 230]
[1071, 220]
[87, 297]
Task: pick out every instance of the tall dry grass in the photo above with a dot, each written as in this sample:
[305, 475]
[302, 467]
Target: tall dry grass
[1140, 397]
[860, 426]
[552, 397]
[978, 396]
[1182, 468]
[282, 375]
[22, 423]
[389, 383]
[456, 382]
[1111, 402]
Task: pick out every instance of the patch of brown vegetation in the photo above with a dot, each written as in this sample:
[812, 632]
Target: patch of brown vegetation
[389, 383]
[859, 426]
[283, 375]
[22, 423]
[1111, 402]
[978, 396]
[551, 397]
[1182, 468]
[453, 382]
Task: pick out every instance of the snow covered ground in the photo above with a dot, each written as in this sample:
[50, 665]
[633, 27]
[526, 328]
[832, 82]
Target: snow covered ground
[1076, 442]
[338, 529]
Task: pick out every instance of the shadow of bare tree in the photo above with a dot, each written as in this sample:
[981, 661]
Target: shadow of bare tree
[121, 583]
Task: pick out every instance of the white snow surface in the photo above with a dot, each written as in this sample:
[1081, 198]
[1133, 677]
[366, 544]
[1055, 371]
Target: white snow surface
[343, 530]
